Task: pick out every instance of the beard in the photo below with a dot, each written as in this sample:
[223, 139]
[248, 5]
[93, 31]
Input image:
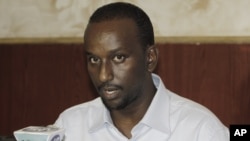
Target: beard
[121, 105]
[125, 101]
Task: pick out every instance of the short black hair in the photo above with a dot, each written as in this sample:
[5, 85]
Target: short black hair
[121, 10]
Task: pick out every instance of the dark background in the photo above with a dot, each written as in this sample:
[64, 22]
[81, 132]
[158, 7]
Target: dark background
[39, 80]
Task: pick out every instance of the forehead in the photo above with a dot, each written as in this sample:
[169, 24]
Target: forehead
[122, 30]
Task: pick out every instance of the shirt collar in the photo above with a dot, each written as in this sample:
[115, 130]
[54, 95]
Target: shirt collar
[98, 119]
[156, 117]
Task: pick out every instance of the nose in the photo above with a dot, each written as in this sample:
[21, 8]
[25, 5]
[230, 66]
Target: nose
[106, 72]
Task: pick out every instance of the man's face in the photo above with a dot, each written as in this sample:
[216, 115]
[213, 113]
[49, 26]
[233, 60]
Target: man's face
[116, 62]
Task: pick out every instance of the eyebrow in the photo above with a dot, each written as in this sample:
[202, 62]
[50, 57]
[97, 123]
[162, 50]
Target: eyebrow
[110, 52]
[117, 49]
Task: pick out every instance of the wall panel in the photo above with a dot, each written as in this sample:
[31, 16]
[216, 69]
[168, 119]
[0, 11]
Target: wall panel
[38, 81]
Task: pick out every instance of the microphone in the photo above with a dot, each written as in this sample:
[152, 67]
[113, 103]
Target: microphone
[39, 133]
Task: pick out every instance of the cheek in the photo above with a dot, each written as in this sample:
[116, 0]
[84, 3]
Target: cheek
[130, 71]
[93, 74]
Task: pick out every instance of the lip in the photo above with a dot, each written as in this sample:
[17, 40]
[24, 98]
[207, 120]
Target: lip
[110, 93]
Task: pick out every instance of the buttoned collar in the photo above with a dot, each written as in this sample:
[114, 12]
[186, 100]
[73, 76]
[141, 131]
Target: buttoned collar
[156, 117]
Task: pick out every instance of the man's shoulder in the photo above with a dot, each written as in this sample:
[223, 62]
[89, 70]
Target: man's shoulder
[188, 110]
[190, 107]
[81, 117]
[84, 108]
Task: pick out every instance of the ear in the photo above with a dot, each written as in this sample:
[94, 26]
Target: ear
[152, 58]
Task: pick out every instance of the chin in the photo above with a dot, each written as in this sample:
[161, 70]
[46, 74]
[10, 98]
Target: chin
[115, 106]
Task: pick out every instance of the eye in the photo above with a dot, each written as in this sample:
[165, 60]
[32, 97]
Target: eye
[119, 58]
[94, 60]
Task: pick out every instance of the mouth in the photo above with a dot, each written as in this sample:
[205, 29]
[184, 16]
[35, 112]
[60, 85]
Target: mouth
[110, 92]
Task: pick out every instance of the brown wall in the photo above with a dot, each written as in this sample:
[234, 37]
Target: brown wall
[38, 81]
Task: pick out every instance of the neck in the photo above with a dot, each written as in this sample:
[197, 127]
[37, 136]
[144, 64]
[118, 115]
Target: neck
[125, 119]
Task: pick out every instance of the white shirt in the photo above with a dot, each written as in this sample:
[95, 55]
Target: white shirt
[169, 118]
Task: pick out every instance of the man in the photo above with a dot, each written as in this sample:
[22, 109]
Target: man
[134, 103]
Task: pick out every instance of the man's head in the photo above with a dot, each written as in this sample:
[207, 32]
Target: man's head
[119, 58]
[121, 10]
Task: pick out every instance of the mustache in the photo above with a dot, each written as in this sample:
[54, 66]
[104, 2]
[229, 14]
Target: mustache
[108, 85]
